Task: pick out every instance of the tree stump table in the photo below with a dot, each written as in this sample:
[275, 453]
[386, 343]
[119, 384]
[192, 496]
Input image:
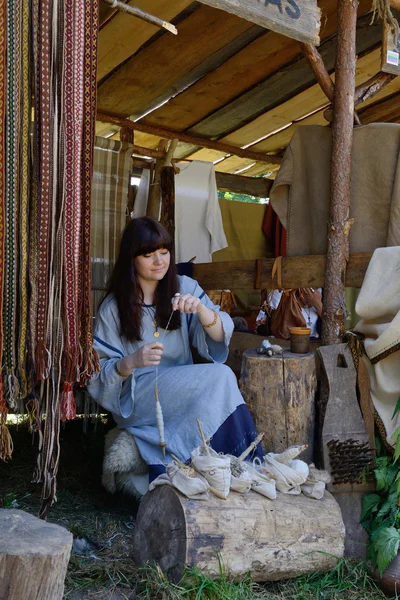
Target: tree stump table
[280, 393]
[33, 557]
[246, 533]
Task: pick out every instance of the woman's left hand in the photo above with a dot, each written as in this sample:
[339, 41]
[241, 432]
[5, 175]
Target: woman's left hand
[186, 304]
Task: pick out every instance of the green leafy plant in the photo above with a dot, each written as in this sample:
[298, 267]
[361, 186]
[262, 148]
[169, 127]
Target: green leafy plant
[380, 514]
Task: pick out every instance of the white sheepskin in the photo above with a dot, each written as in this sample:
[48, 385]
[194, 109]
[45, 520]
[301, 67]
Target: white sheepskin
[122, 463]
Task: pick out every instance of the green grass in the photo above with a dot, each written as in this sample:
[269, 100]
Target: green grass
[348, 581]
[104, 569]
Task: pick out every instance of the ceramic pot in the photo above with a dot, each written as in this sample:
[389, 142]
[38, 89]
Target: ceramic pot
[299, 340]
[390, 580]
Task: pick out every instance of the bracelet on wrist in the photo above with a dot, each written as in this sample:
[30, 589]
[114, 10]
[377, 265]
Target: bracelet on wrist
[213, 322]
[120, 373]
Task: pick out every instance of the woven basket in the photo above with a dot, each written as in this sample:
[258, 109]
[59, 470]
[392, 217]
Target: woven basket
[224, 298]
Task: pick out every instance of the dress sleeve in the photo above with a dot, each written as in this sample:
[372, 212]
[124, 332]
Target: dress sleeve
[110, 390]
[206, 346]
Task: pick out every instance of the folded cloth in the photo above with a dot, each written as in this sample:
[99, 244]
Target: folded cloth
[378, 305]
[195, 488]
[301, 191]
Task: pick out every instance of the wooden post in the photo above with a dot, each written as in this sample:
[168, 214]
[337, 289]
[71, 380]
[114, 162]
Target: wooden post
[126, 135]
[339, 222]
[153, 205]
[280, 393]
[322, 76]
[168, 200]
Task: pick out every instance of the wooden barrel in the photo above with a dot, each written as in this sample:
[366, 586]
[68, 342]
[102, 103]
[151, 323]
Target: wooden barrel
[280, 393]
[271, 539]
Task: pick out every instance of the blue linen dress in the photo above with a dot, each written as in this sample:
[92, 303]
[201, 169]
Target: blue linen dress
[187, 391]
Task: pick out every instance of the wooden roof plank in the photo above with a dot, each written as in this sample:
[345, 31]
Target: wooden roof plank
[281, 86]
[156, 68]
[386, 110]
[253, 64]
[207, 155]
[191, 77]
[233, 164]
[365, 68]
[123, 35]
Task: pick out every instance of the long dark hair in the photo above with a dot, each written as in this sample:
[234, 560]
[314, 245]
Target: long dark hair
[142, 236]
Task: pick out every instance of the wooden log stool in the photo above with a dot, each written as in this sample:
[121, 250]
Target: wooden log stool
[271, 539]
[280, 393]
[34, 557]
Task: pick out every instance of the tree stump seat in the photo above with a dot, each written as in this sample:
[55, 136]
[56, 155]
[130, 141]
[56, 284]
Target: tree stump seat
[34, 557]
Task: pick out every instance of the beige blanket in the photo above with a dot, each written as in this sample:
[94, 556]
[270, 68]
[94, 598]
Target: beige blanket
[378, 305]
[300, 194]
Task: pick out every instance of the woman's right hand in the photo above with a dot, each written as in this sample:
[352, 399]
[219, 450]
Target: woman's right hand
[148, 355]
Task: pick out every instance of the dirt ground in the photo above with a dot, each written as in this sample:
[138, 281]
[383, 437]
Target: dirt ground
[102, 524]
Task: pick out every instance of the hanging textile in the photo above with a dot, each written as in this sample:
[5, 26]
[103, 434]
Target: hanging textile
[274, 232]
[13, 138]
[48, 57]
[5, 439]
[300, 193]
[199, 230]
[111, 168]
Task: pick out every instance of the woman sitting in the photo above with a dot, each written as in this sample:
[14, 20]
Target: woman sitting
[144, 330]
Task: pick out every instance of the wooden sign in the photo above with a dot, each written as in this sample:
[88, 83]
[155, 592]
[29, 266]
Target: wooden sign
[297, 19]
[390, 51]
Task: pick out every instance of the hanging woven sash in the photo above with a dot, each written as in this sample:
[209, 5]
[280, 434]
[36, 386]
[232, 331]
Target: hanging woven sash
[73, 115]
[32, 405]
[24, 207]
[5, 438]
[45, 117]
[90, 362]
[54, 339]
[13, 130]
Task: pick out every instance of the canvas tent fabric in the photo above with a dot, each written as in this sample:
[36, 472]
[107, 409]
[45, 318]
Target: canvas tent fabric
[378, 305]
[300, 194]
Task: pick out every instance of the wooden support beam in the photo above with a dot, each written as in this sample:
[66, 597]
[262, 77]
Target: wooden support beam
[170, 152]
[365, 91]
[140, 164]
[167, 217]
[322, 76]
[141, 14]
[339, 222]
[147, 151]
[297, 271]
[154, 202]
[317, 64]
[126, 135]
[373, 86]
[253, 186]
[190, 139]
